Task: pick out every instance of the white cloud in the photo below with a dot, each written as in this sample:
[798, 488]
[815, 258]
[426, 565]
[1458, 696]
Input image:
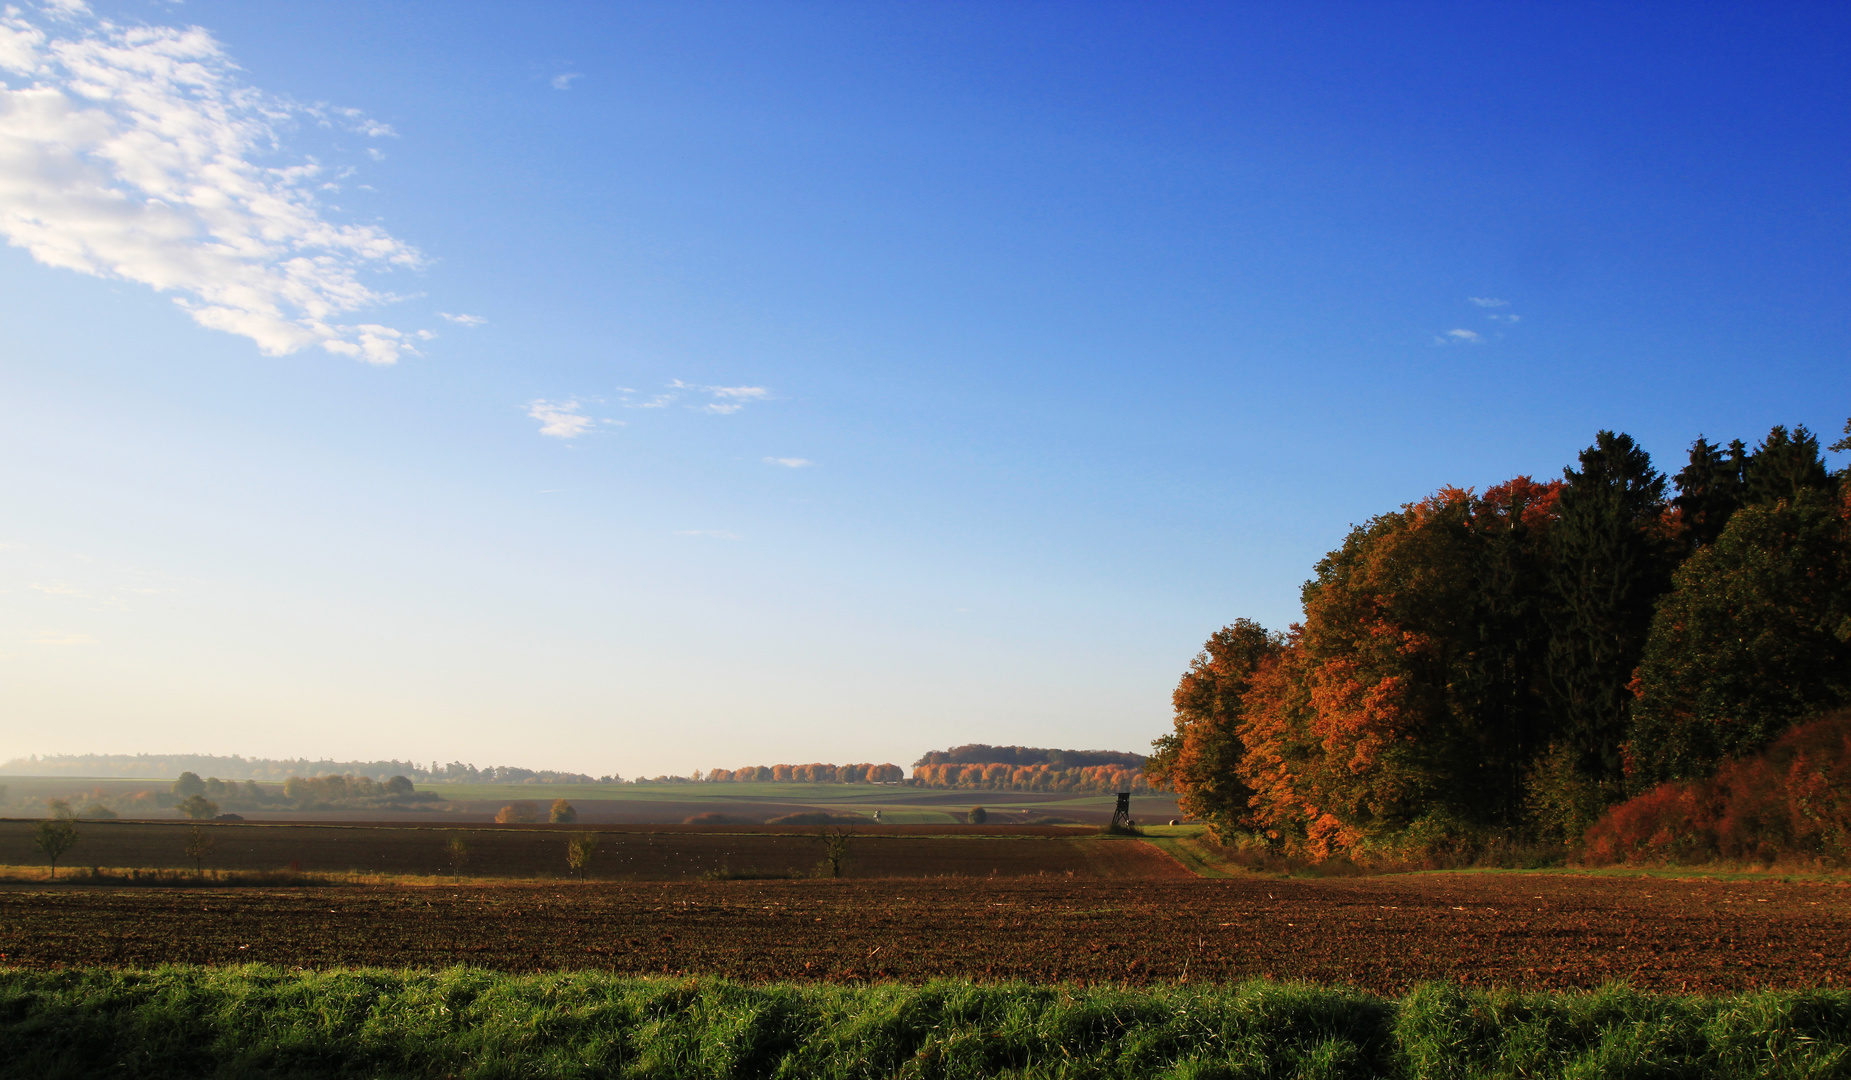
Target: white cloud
[789, 462]
[1459, 337]
[134, 153]
[560, 419]
[711, 534]
[730, 399]
[564, 81]
[1505, 318]
[1488, 301]
[463, 320]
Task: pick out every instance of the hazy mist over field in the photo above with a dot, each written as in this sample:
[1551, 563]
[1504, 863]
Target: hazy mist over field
[637, 388]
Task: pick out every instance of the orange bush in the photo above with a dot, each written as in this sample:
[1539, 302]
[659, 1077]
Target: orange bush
[1791, 801]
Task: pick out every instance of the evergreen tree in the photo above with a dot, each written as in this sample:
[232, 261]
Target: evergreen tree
[1785, 465]
[1710, 489]
[1500, 674]
[1610, 564]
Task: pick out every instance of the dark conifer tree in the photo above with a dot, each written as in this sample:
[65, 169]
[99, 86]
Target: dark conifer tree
[1610, 564]
[1785, 465]
[1505, 651]
[1710, 489]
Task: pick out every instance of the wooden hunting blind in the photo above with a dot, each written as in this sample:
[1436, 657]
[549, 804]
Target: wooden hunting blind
[1121, 814]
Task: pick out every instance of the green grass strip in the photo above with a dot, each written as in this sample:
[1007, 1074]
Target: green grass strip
[264, 1022]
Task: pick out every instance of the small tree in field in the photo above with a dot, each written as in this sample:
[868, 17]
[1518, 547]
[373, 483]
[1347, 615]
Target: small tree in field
[199, 846]
[54, 838]
[978, 815]
[835, 848]
[579, 851]
[458, 850]
[199, 808]
[563, 813]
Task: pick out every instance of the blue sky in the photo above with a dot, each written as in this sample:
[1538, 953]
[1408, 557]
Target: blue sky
[642, 388]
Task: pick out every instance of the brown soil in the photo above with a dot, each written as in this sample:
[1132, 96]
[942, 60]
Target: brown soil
[635, 853]
[1523, 930]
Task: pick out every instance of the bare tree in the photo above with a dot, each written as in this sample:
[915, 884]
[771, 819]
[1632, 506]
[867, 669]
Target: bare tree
[458, 850]
[199, 846]
[835, 848]
[54, 838]
[579, 851]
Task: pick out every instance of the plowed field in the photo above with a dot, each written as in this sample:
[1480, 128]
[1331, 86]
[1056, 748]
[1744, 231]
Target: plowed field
[633, 853]
[1525, 930]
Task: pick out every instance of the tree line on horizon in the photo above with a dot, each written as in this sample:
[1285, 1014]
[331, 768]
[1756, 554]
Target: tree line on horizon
[1506, 667]
[815, 773]
[235, 767]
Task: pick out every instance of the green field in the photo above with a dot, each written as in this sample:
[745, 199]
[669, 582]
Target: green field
[256, 1021]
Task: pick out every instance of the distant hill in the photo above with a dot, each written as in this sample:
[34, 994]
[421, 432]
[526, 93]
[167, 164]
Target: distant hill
[984, 754]
[170, 766]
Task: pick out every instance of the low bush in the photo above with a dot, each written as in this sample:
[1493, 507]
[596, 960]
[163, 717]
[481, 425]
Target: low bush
[1789, 803]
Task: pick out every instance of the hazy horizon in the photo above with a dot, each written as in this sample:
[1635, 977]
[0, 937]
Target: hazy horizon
[639, 388]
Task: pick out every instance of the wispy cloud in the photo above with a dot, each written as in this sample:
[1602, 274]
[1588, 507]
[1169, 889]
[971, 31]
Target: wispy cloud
[790, 462]
[134, 153]
[563, 81]
[560, 419]
[711, 534]
[463, 320]
[1488, 301]
[1460, 337]
[1506, 318]
[727, 399]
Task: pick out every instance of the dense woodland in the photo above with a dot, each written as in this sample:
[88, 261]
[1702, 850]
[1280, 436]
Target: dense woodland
[1490, 669]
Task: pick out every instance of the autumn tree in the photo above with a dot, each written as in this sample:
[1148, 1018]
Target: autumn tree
[1200, 760]
[562, 812]
[579, 851]
[520, 813]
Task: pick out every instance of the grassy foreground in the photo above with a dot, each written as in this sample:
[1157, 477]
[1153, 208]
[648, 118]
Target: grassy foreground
[256, 1021]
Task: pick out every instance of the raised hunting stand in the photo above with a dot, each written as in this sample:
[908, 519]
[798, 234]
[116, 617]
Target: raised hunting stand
[1121, 815]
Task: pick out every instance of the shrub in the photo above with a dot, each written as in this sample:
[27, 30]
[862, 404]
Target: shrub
[1793, 800]
[520, 813]
[563, 813]
[978, 815]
